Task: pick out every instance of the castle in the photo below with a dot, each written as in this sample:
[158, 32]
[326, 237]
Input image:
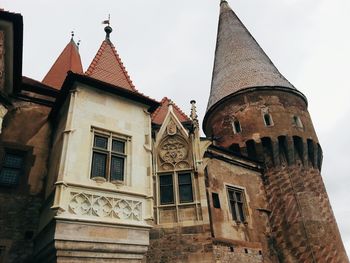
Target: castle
[92, 170]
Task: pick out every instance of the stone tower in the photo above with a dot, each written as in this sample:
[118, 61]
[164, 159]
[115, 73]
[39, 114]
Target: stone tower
[253, 110]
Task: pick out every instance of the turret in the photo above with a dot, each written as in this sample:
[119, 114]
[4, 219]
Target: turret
[254, 111]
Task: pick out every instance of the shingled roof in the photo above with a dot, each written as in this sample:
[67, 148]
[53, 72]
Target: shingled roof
[68, 60]
[160, 113]
[108, 67]
[240, 62]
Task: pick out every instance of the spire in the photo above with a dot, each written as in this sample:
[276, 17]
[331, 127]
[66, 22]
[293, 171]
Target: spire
[240, 62]
[68, 60]
[107, 65]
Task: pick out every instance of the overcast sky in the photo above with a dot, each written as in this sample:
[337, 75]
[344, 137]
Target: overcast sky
[168, 49]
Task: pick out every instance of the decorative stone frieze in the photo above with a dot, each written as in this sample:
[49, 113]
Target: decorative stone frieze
[97, 205]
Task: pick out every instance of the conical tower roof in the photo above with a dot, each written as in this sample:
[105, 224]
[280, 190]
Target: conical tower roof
[68, 60]
[108, 67]
[240, 63]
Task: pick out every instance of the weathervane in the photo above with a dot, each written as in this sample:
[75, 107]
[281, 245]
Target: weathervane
[108, 29]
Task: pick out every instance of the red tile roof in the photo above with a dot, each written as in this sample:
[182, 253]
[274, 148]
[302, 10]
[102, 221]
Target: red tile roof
[159, 115]
[108, 67]
[68, 60]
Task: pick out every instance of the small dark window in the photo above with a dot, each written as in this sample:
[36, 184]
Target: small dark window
[166, 189]
[185, 188]
[236, 126]
[268, 119]
[246, 251]
[236, 200]
[12, 168]
[216, 200]
[260, 252]
[232, 249]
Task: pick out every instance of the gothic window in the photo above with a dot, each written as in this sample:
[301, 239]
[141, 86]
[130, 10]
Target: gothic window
[237, 203]
[12, 168]
[297, 122]
[166, 189]
[182, 193]
[185, 187]
[108, 157]
[236, 126]
[268, 120]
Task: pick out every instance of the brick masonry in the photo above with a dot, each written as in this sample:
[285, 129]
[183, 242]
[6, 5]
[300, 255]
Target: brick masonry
[180, 244]
[302, 222]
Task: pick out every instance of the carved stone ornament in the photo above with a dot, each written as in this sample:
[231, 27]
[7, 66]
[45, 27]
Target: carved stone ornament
[174, 153]
[106, 207]
[171, 128]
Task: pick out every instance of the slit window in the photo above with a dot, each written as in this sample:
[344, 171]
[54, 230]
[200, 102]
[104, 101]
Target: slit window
[268, 120]
[236, 202]
[236, 125]
[108, 157]
[12, 168]
[216, 200]
[297, 122]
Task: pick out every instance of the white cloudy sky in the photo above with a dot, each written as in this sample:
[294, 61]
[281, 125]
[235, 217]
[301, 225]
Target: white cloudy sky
[168, 49]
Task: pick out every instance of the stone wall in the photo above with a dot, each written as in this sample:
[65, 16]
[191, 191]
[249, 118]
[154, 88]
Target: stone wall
[180, 244]
[19, 216]
[229, 254]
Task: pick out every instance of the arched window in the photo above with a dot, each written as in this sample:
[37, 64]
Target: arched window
[268, 120]
[297, 122]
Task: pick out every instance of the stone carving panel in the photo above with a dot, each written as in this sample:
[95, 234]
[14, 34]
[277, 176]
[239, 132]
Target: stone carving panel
[174, 153]
[83, 204]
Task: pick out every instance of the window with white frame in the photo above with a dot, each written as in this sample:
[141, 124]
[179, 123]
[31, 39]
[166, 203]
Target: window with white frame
[175, 188]
[109, 156]
[236, 199]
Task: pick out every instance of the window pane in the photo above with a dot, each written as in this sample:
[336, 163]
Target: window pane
[233, 210]
[185, 188]
[166, 179]
[238, 196]
[99, 161]
[9, 176]
[185, 178]
[13, 161]
[117, 168]
[118, 146]
[166, 189]
[240, 211]
[100, 142]
[185, 192]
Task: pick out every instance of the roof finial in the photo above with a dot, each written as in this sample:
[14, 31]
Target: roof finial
[223, 1]
[72, 35]
[194, 115]
[108, 29]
